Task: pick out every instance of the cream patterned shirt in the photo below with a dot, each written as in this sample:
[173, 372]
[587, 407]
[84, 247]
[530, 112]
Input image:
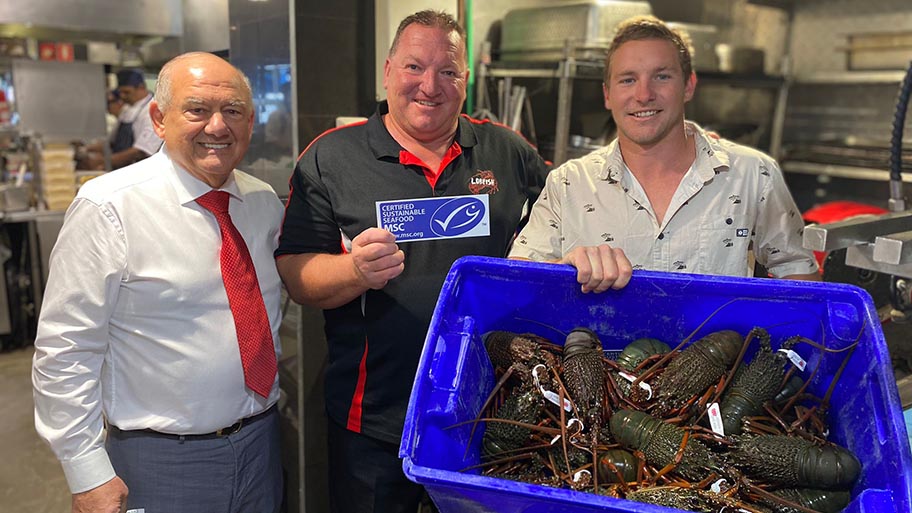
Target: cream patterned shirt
[731, 201]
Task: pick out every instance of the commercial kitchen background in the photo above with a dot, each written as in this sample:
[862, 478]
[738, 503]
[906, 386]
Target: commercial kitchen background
[813, 82]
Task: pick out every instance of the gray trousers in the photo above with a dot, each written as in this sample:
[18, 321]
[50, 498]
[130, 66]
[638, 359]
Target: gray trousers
[238, 473]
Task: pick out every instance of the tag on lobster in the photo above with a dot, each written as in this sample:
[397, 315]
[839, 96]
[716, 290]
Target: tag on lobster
[569, 425]
[645, 386]
[548, 394]
[795, 358]
[715, 419]
[717, 486]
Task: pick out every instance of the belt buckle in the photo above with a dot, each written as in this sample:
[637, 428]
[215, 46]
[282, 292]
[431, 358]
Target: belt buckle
[230, 430]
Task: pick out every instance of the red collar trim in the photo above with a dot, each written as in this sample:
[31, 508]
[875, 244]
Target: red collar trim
[408, 159]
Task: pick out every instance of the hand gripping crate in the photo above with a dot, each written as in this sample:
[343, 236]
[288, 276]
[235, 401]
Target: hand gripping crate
[482, 294]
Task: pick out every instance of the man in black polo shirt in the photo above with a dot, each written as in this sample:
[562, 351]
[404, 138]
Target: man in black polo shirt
[399, 169]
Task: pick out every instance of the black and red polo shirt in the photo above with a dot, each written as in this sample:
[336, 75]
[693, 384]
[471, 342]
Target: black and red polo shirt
[374, 352]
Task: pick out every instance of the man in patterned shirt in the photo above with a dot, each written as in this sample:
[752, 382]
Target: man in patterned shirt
[664, 195]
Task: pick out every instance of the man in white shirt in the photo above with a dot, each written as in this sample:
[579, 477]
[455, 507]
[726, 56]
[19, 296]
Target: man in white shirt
[134, 138]
[663, 196]
[142, 377]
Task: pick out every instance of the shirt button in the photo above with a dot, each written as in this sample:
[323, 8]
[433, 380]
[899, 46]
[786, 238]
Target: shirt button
[661, 236]
[728, 221]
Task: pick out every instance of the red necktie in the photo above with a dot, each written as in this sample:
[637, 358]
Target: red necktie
[245, 299]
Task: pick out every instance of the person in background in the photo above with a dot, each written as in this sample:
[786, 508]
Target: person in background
[377, 295]
[112, 118]
[277, 132]
[135, 138]
[664, 195]
[155, 377]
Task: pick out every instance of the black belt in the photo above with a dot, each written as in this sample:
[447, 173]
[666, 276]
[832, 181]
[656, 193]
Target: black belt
[218, 433]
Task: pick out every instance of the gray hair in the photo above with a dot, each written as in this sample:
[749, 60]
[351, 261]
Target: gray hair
[433, 19]
[163, 90]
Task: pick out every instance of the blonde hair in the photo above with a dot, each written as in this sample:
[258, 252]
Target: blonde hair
[647, 26]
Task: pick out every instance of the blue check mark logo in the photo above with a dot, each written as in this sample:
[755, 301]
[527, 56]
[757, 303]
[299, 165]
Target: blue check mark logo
[470, 212]
[457, 216]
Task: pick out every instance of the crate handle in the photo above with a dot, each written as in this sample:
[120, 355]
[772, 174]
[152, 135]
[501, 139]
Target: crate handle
[446, 373]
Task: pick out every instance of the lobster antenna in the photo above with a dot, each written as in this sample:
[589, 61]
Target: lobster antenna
[668, 355]
[552, 328]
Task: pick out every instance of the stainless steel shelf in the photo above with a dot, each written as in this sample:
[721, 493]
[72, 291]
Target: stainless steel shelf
[751, 80]
[523, 72]
[852, 172]
[568, 69]
[594, 70]
[779, 4]
[30, 215]
[851, 77]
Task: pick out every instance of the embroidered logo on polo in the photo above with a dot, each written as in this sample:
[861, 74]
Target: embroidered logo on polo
[607, 237]
[483, 182]
[764, 171]
[588, 207]
[447, 217]
[727, 243]
[553, 224]
[679, 265]
[735, 199]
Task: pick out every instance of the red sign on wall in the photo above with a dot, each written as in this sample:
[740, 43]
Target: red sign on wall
[65, 52]
[53, 51]
[47, 51]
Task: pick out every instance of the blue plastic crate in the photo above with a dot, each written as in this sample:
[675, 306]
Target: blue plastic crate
[483, 294]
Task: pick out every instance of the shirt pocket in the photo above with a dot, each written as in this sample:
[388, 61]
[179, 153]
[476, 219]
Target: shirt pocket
[723, 245]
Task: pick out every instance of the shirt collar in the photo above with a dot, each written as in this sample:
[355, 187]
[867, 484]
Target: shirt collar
[187, 187]
[711, 156]
[383, 145]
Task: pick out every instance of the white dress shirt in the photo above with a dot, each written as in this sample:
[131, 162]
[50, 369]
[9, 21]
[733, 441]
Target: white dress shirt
[733, 200]
[135, 325]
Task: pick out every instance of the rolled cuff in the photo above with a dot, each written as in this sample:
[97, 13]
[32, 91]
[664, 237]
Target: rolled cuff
[796, 267]
[88, 471]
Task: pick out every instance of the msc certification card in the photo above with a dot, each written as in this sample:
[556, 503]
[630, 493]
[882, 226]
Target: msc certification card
[448, 217]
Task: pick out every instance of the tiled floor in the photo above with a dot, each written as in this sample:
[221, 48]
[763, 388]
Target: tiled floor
[31, 479]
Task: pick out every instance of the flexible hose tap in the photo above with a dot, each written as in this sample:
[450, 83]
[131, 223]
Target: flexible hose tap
[897, 201]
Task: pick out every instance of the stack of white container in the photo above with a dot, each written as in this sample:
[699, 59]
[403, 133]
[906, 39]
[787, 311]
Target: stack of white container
[58, 176]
